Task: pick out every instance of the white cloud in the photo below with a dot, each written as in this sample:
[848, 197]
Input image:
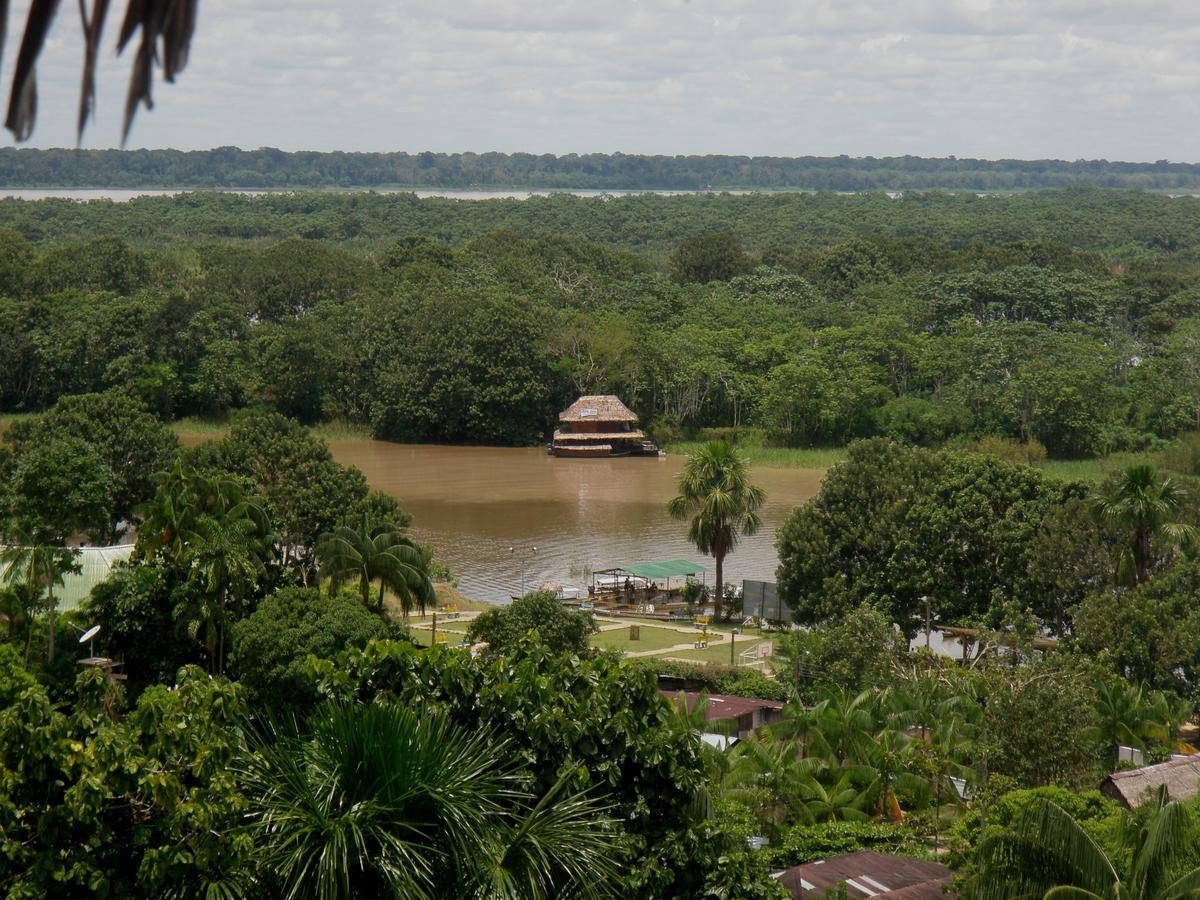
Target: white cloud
[1029, 78]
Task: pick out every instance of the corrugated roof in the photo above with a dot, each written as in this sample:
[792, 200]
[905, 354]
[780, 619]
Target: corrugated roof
[723, 706]
[598, 408]
[869, 874]
[1180, 776]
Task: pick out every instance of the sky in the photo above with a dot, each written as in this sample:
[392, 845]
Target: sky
[1065, 79]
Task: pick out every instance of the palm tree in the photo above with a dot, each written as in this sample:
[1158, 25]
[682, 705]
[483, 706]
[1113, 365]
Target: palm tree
[227, 560]
[39, 568]
[1128, 714]
[1049, 855]
[840, 801]
[378, 802]
[169, 517]
[377, 553]
[219, 536]
[773, 770]
[716, 494]
[1145, 505]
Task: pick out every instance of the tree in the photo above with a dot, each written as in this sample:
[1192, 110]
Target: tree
[271, 646]
[376, 800]
[710, 257]
[120, 431]
[218, 537]
[560, 629]
[152, 808]
[38, 568]
[226, 555]
[1049, 853]
[900, 527]
[1146, 506]
[854, 651]
[59, 489]
[601, 717]
[1038, 724]
[1150, 633]
[716, 494]
[371, 553]
[1127, 714]
[307, 492]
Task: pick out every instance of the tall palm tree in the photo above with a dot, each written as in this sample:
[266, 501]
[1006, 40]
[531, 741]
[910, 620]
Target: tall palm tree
[379, 553]
[715, 493]
[1145, 505]
[1049, 855]
[169, 517]
[40, 568]
[378, 802]
[227, 558]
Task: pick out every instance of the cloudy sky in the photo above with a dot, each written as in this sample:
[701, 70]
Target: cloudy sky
[993, 78]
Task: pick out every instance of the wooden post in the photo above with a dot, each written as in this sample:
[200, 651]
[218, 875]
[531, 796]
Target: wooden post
[433, 637]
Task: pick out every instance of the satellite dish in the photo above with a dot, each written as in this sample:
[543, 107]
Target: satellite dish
[89, 634]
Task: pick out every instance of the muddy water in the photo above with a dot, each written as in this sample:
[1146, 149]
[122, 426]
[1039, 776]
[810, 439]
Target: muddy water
[474, 503]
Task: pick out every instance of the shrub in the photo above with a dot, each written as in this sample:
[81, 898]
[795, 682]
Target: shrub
[560, 629]
[272, 644]
[1031, 453]
[805, 843]
[717, 679]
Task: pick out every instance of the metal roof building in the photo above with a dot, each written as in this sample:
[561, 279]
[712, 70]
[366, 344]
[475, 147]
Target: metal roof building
[869, 874]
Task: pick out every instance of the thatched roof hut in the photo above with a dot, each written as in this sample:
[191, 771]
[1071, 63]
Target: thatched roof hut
[598, 408]
[1181, 777]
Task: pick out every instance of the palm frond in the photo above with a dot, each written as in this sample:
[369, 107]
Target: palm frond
[166, 28]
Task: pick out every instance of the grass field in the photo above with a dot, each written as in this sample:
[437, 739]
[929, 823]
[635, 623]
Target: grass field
[717, 653]
[652, 638]
[1096, 469]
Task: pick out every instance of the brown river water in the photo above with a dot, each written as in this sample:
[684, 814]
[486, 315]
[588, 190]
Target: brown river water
[474, 503]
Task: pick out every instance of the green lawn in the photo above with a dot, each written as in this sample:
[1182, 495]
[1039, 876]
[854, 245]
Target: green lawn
[652, 638]
[1096, 469]
[423, 636]
[717, 652]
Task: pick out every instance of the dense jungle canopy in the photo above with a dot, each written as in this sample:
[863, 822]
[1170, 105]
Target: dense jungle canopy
[1068, 318]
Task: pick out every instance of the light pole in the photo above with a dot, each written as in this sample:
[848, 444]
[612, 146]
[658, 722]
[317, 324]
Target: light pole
[732, 640]
[513, 552]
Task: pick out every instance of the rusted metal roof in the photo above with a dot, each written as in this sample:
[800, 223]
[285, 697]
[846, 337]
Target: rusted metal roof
[724, 706]
[869, 874]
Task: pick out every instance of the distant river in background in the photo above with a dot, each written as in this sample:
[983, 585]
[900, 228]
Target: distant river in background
[124, 195]
[474, 503]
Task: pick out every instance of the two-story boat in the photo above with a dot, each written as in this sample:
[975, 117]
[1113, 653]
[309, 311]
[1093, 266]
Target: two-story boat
[600, 425]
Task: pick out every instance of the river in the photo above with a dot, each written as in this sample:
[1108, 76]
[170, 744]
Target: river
[124, 195]
[474, 503]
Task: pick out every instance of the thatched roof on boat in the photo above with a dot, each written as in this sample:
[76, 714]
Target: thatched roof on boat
[598, 408]
[1181, 777]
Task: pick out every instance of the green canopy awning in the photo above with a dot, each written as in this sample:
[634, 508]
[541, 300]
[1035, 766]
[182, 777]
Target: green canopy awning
[667, 568]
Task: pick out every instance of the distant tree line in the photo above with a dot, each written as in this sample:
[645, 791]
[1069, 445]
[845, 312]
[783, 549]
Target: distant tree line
[1079, 342]
[268, 167]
